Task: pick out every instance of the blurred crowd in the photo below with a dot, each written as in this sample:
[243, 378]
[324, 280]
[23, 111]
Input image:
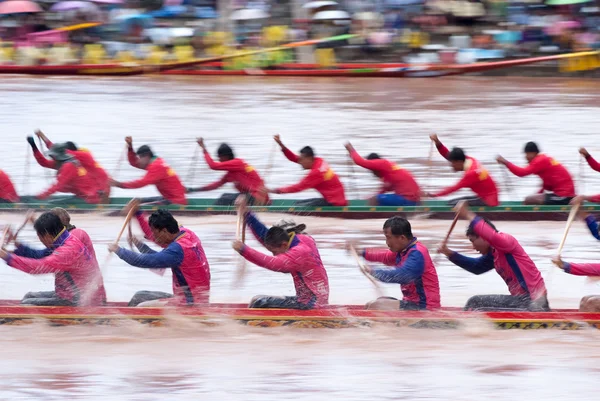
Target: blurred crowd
[403, 30]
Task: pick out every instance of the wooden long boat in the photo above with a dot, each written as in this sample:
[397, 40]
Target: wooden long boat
[358, 209]
[342, 316]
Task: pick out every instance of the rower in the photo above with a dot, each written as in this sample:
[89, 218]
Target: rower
[8, 193]
[77, 277]
[294, 253]
[557, 184]
[242, 175]
[158, 173]
[87, 161]
[400, 182]
[321, 178]
[412, 268]
[182, 253]
[503, 253]
[589, 303]
[590, 160]
[71, 177]
[476, 178]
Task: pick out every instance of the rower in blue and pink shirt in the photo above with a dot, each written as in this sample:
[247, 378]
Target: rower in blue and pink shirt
[502, 252]
[182, 253]
[294, 253]
[412, 268]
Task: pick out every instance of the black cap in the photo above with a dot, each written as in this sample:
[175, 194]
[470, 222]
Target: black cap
[373, 156]
[225, 151]
[144, 150]
[58, 152]
[457, 155]
[531, 147]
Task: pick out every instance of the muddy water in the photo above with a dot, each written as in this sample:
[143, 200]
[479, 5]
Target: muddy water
[393, 117]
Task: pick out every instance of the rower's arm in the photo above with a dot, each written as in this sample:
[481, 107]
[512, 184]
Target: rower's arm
[229, 165]
[312, 179]
[592, 224]
[143, 222]
[133, 158]
[57, 262]
[217, 184]
[66, 175]
[412, 268]
[467, 181]
[143, 248]
[257, 227]
[283, 263]
[478, 265]
[26, 251]
[593, 163]
[442, 149]
[376, 165]
[384, 256]
[534, 167]
[42, 161]
[171, 256]
[291, 156]
[154, 175]
[582, 269]
[501, 241]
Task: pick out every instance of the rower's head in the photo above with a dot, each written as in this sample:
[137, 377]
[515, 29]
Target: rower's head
[64, 216]
[48, 226]
[307, 157]
[70, 145]
[374, 156]
[277, 240]
[58, 153]
[225, 153]
[457, 158]
[479, 244]
[398, 233]
[145, 155]
[165, 228]
[531, 151]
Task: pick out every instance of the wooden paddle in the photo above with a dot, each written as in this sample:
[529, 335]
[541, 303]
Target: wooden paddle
[430, 164]
[192, 170]
[120, 161]
[4, 237]
[28, 218]
[125, 224]
[580, 179]
[570, 220]
[364, 270]
[445, 240]
[271, 161]
[240, 235]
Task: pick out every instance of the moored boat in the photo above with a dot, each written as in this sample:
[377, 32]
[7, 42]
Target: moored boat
[335, 316]
[358, 209]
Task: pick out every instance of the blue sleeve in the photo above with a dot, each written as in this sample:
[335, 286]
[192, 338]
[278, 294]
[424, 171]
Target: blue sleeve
[172, 256]
[27, 252]
[412, 268]
[478, 265]
[593, 226]
[143, 248]
[258, 229]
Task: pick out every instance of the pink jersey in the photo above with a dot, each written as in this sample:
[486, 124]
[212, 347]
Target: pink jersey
[303, 262]
[413, 270]
[77, 276]
[583, 269]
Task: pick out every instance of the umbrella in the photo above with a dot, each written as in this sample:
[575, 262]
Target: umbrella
[565, 2]
[319, 4]
[249, 14]
[331, 15]
[19, 7]
[144, 20]
[74, 5]
[169, 11]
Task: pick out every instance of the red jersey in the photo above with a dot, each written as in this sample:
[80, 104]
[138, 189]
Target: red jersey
[95, 170]
[321, 177]
[72, 178]
[242, 175]
[160, 174]
[555, 177]
[394, 177]
[7, 189]
[476, 178]
[76, 271]
[593, 163]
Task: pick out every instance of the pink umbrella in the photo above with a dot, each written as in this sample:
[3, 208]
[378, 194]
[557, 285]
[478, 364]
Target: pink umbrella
[19, 7]
[173, 2]
[108, 1]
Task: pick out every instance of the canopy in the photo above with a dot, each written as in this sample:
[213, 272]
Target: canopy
[19, 7]
[331, 15]
[249, 14]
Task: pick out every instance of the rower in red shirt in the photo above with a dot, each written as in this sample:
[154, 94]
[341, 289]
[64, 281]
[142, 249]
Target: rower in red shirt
[241, 174]
[557, 184]
[321, 178]
[71, 176]
[476, 178]
[7, 189]
[87, 161]
[591, 161]
[158, 173]
[404, 188]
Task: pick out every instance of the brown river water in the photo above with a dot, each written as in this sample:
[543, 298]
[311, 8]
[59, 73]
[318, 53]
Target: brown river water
[486, 116]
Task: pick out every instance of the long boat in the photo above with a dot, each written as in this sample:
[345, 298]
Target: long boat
[375, 71]
[341, 316]
[357, 209]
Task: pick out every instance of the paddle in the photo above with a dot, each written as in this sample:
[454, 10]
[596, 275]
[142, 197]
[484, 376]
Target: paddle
[271, 161]
[26, 172]
[28, 218]
[445, 240]
[41, 148]
[192, 170]
[570, 220]
[364, 270]
[430, 164]
[580, 179]
[240, 235]
[125, 224]
[4, 237]
[120, 161]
